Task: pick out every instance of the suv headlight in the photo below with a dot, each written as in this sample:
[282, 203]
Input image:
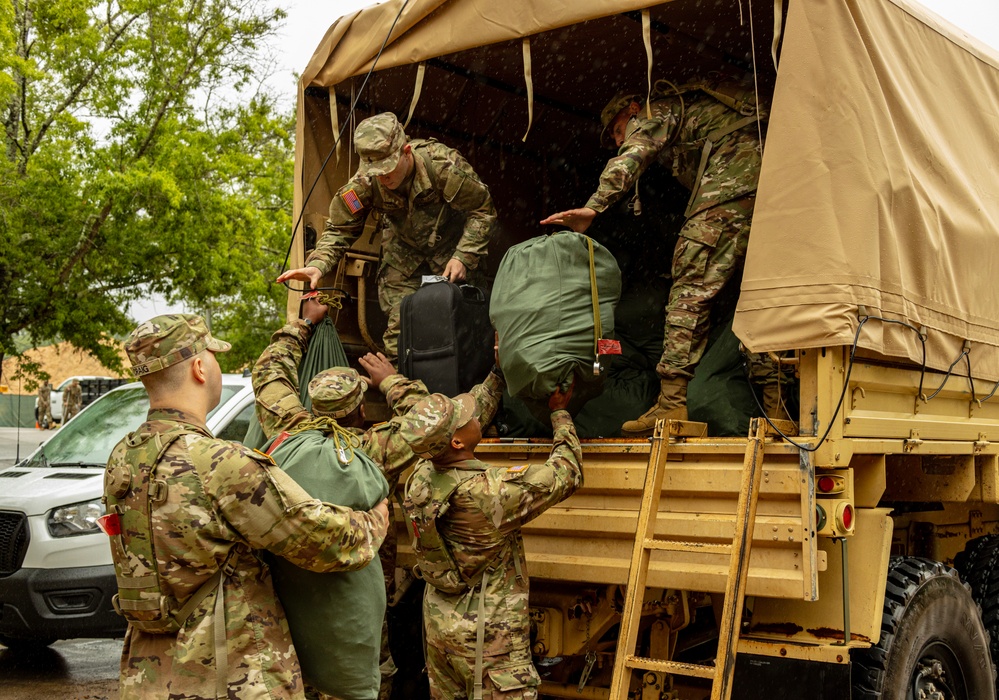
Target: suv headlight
[75, 519]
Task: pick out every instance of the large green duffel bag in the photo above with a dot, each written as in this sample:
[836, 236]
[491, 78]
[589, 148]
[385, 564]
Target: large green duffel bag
[335, 618]
[543, 309]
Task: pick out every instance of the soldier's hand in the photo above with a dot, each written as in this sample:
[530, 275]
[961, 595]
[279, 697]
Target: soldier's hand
[312, 309]
[309, 274]
[577, 219]
[559, 399]
[378, 368]
[381, 515]
[455, 271]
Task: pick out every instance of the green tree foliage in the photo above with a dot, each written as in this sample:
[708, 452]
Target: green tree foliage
[139, 160]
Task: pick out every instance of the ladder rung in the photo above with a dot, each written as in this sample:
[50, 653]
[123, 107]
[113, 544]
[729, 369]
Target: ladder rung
[675, 667]
[684, 546]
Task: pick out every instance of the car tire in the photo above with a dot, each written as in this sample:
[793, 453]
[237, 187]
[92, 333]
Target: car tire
[933, 642]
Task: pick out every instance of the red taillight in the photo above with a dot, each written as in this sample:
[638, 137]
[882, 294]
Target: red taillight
[847, 517]
[826, 484]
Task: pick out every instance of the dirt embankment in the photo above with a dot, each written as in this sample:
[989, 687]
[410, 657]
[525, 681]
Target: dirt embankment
[61, 361]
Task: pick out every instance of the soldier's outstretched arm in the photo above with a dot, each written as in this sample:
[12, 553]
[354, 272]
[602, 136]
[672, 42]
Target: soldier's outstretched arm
[527, 491]
[464, 191]
[636, 154]
[268, 510]
[275, 379]
[348, 211]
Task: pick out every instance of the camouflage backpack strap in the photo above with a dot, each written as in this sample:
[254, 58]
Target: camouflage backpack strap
[130, 488]
[422, 147]
[428, 495]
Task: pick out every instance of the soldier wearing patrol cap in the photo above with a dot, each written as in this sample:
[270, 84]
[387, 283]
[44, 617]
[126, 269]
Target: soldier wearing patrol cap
[185, 512]
[436, 215]
[467, 517]
[707, 134]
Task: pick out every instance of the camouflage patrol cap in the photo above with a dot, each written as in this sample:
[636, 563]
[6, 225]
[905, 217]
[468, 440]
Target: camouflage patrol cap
[428, 426]
[166, 340]
[379, 141]
[336, 392]
[613, 108]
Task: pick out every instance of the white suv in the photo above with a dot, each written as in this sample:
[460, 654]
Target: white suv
[56, 575]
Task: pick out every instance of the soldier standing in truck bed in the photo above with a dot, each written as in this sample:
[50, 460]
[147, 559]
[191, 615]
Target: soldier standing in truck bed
[436, 215]
[710, 141]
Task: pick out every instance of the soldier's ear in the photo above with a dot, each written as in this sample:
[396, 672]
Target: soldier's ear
[634, 107]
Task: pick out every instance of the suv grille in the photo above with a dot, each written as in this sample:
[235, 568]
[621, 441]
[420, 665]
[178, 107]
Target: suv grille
[13, 541]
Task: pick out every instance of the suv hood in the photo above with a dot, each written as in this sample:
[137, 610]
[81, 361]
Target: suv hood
[37, 490]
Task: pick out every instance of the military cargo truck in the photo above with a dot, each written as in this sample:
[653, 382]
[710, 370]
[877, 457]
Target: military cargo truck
[868, 276]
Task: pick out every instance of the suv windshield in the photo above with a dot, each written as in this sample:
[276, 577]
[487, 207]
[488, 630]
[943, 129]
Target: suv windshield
[88, 439]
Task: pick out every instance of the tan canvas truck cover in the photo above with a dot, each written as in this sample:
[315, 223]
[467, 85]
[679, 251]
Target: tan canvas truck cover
[878, 186]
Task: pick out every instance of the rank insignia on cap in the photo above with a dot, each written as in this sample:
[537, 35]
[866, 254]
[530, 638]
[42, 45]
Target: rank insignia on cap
[351, 200]
[518, 469]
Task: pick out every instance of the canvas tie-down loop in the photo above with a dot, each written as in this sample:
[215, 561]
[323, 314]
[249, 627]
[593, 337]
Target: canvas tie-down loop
[529, 82]
[335, 119]
[647, 39]
[421, 70]
[778, 28]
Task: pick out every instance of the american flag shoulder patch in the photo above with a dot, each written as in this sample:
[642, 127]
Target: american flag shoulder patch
[352, 201]
[517, 469]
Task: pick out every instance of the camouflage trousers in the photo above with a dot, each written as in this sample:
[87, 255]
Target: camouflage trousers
[69, 410]
[45, 411]
[393, 287]
[508, 676]
[711, 249]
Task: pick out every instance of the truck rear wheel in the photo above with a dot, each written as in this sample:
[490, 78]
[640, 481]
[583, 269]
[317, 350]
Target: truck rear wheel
[933, 644]
[978, 565]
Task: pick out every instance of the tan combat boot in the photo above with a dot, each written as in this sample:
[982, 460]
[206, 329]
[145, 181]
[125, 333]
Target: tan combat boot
[672, 405]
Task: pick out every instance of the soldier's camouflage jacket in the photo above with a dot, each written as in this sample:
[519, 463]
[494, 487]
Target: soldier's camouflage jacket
[219, 493]
[675, 136]
[482, 530]
[446, 212]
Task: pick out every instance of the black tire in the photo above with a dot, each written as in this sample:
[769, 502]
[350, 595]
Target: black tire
[978, 565]
[932, 639]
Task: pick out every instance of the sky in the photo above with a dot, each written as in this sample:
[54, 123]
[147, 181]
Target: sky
[308, 20]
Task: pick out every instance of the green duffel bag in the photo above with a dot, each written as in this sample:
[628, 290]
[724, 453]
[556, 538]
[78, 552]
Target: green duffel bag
[553, 297]
[335, 618]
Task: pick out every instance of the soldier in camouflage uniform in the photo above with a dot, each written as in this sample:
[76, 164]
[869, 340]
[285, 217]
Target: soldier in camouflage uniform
[185, 511]
[45, 405]
[338, 395]
[72, 400]
[713, 150]
[436, 215]
[477, 628]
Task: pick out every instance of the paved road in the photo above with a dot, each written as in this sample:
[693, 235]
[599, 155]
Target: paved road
[27, 439]
[79, 669]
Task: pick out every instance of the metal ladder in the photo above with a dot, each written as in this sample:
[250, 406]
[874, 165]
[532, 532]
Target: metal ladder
[723, 671]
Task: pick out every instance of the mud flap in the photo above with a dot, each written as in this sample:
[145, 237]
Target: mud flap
[766, 678]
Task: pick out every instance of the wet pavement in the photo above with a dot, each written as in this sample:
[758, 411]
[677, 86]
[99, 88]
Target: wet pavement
[19, 443]
[77, 669]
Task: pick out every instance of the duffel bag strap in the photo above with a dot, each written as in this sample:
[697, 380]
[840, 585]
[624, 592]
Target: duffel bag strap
[595, 298]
